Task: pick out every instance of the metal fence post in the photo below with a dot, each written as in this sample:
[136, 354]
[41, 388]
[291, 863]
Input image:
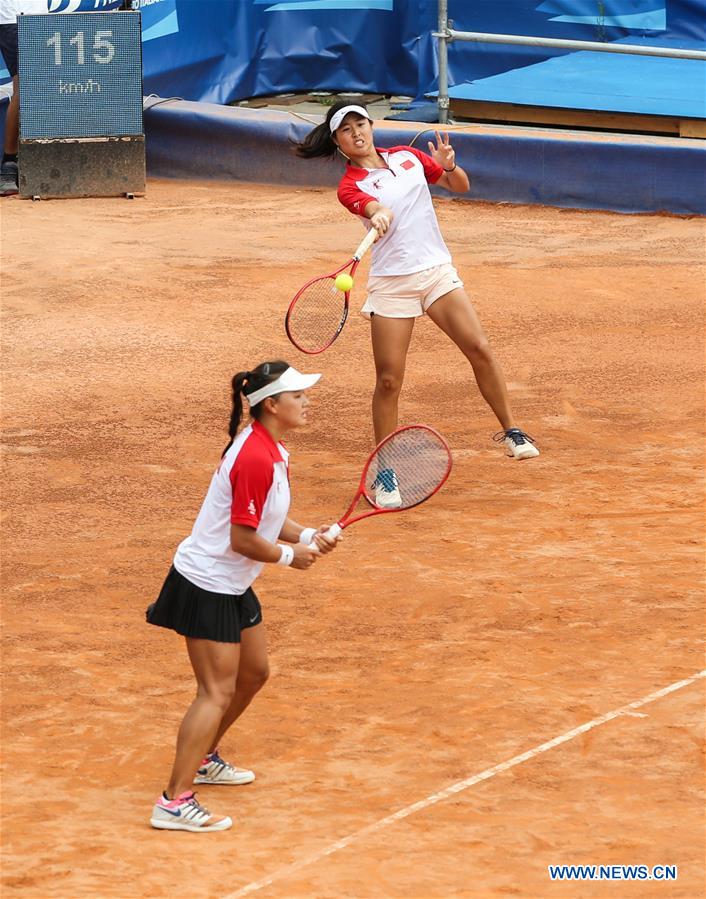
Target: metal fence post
[442, 35]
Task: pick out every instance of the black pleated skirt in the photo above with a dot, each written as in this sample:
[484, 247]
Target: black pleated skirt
[193, 612]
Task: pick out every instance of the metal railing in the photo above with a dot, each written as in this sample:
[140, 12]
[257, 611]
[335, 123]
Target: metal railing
[446, 34]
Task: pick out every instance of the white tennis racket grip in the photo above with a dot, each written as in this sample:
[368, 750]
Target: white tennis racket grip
[331, 533]
[365, 244]
[334, 531]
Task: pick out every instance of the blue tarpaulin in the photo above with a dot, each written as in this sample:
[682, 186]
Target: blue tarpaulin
[197, 140]
[226, 50]
[643, 85]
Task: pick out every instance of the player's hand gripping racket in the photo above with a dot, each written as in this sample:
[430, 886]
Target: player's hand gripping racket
[406, 468]
[318, 312]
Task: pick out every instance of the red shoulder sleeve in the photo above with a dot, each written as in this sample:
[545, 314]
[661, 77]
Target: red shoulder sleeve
[432, 170]
[354, 199]
[251, 478]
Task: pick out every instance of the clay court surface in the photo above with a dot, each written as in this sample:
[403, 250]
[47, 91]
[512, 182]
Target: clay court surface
[523, 601]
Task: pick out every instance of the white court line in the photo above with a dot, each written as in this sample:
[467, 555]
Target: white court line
[459, 787]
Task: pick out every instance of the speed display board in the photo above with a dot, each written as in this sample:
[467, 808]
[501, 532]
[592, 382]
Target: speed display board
[80, 75]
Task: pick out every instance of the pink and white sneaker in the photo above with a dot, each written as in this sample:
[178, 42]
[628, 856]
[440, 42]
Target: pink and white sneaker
[214, 770]
[185, 813]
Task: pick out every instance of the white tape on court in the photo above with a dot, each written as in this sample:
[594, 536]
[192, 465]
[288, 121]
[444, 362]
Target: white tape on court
[460, 786]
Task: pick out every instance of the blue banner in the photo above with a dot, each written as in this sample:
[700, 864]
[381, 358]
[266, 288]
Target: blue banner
[159, 18]
[82, 5]
[227, 50]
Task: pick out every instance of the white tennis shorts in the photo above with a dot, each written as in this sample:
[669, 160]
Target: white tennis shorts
[409, 296]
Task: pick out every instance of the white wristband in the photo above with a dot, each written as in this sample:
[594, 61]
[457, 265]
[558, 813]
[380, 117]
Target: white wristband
[286, 556]
[307, 535]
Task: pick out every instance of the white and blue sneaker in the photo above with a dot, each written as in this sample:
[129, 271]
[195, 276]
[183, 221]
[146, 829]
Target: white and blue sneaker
[519, 444]
[186, 813]
[214, 770]
[387, 489]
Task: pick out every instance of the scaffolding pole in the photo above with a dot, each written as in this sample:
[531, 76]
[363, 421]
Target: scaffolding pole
[445, 35]
[443, 61]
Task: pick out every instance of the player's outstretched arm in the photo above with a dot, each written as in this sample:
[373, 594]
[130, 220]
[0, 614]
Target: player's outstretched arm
[454, 178]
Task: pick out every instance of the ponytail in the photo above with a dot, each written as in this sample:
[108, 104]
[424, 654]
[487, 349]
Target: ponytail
[319, 141]
[237, 384]
[248, 382]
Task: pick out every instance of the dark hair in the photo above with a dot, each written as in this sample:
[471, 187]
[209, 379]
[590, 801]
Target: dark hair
[319, 141]
[249, 382]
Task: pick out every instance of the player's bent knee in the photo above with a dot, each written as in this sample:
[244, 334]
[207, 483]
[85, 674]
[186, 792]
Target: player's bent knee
[254, 680]
[389, 384]
[221, 695]
[478, 350]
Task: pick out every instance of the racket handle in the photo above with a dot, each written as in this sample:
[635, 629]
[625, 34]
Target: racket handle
[334, 531]
[365, 244]
[331, 533]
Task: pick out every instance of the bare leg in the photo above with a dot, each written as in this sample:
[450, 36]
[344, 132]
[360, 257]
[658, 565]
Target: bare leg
[216, 668]
[455, 315]
[391, 337]
[253, 672]
[12, 119]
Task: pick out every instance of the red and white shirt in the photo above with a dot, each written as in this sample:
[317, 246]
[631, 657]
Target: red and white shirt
[413, 242]
[250, 487]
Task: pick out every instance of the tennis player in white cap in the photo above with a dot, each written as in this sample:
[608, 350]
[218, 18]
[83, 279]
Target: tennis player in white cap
[411, 273]
[208, 596]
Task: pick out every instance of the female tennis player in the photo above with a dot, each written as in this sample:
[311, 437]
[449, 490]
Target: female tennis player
[208, 596]
[411, 272]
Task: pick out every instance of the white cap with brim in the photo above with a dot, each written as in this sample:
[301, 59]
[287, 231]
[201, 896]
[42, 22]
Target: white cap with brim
[339, 116]
[289, 381]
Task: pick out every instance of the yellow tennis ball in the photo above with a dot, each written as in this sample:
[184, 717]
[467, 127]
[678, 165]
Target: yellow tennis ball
[344, 283]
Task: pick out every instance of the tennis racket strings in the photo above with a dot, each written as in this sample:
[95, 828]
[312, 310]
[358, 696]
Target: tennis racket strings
[411, 464]
[318, 315]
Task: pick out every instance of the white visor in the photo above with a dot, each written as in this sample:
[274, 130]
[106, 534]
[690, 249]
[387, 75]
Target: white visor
[290, 380]
[339, 116]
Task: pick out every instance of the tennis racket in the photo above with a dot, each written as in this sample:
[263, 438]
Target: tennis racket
[406, 468]
[318, 312]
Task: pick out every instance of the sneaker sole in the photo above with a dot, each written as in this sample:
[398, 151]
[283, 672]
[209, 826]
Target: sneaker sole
[530, 453]
[245, 779]
[192, 828]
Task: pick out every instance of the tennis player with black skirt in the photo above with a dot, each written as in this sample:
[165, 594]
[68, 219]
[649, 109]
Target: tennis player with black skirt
[411, 273]
[208, 596]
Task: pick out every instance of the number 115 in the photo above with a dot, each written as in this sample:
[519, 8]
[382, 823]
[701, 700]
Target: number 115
[100, 42]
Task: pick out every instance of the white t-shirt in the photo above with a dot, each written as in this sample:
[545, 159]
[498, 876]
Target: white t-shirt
[10, 9]
[249, 487]
[413, 242]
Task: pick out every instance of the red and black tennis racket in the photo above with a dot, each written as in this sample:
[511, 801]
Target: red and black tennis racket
[318, 312]
[406, 468]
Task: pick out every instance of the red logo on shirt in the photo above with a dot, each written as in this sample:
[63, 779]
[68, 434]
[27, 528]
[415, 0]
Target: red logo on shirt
[408, 164]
